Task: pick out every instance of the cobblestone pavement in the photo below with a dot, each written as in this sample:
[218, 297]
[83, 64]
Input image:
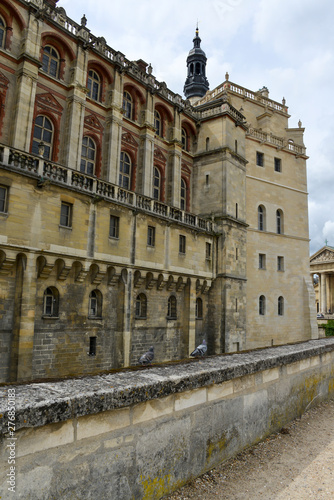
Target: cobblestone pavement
[295, 464]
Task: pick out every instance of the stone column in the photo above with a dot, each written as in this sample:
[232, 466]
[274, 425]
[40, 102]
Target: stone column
[24, 322]
[128, 314]
[75, 111]
[146, 162]
[323, 294]
[192, 315]
[74, 130]
[26, 77]
[173, 186]
[24, 109]
[113, 133]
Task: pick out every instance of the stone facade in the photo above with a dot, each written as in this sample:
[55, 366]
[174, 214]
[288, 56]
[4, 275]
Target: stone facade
[129, 217]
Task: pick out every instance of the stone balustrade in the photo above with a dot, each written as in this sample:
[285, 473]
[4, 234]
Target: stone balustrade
[47, 171]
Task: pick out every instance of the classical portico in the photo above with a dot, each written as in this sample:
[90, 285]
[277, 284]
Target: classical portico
[322, 264]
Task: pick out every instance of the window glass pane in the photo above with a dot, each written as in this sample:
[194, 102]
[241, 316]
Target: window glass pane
[45, 62]
[47, 136]
[65, 215]
[3, 195]
[53, 68]
[37, 132]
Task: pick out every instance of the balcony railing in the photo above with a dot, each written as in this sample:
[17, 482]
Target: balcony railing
[46, 171]
[279, 142]
[247, 94]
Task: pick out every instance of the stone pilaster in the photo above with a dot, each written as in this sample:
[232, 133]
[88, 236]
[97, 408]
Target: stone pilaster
[24, 321]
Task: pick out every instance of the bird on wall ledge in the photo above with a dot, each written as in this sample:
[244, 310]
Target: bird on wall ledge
[200, 350]
[147, 358]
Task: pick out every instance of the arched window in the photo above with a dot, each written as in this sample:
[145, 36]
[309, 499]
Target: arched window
[125, 171]
[171, 313]
[183, 196]
[50, 61]
[51, 302]
[141, 306]
[262, 305]
[94, 85]
[280, 306]
[157, 123]
[2, 33]
[279, 222]
[88, 156]
[156, 183]
[184, 139]
[43, 133]
[198, 68]
[95, 304]
[261, 218]
[191, 69]
[199, 308]
[207, 143]
[127, 104]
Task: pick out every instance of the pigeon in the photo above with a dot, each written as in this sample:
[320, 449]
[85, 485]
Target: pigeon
[147, 358]
[200, 350]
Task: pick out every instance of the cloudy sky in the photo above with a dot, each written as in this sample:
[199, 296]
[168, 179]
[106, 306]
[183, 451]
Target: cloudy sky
[286, 45]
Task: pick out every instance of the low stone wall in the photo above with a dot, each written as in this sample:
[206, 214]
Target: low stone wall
[142, 433]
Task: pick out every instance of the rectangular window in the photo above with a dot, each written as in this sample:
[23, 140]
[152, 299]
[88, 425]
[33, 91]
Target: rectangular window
[182, 244]
[3, 199]
[66, 214]
[92, 346]
[259, 159]
[208, 251]
[151, 236]
[277, 163]
[114, 227]
[262, 261]
[280, 263]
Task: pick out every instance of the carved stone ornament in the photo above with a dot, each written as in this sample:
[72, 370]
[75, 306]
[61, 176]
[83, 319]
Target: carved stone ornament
[91, 121]
[159, 156]
[325, 256]
[38, 3]
[128, 138]
[4, 82]
[48, 101]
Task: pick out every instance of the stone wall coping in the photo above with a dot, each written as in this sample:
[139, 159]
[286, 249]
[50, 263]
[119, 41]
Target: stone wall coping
[42, 403]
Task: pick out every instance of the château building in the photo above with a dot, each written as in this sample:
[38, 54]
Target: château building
[130, 216]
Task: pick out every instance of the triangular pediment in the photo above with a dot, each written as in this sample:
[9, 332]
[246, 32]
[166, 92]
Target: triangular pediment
[325, 254]
[4, 82]
[48, 101]
[186, 168]
[128, 138]
[158, 155]
[92, 121]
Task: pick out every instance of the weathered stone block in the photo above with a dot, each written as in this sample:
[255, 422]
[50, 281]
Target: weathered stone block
[43, 438]
[219, 391]
[189, 399]
[152, 409]
[102, 423]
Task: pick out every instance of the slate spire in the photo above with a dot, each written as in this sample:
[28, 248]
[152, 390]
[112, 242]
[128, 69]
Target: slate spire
[196, 84]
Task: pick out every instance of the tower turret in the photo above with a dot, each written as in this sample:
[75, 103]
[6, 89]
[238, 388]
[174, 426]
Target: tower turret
[196, 84]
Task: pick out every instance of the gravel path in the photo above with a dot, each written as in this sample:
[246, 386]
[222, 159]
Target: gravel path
[294, 464]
